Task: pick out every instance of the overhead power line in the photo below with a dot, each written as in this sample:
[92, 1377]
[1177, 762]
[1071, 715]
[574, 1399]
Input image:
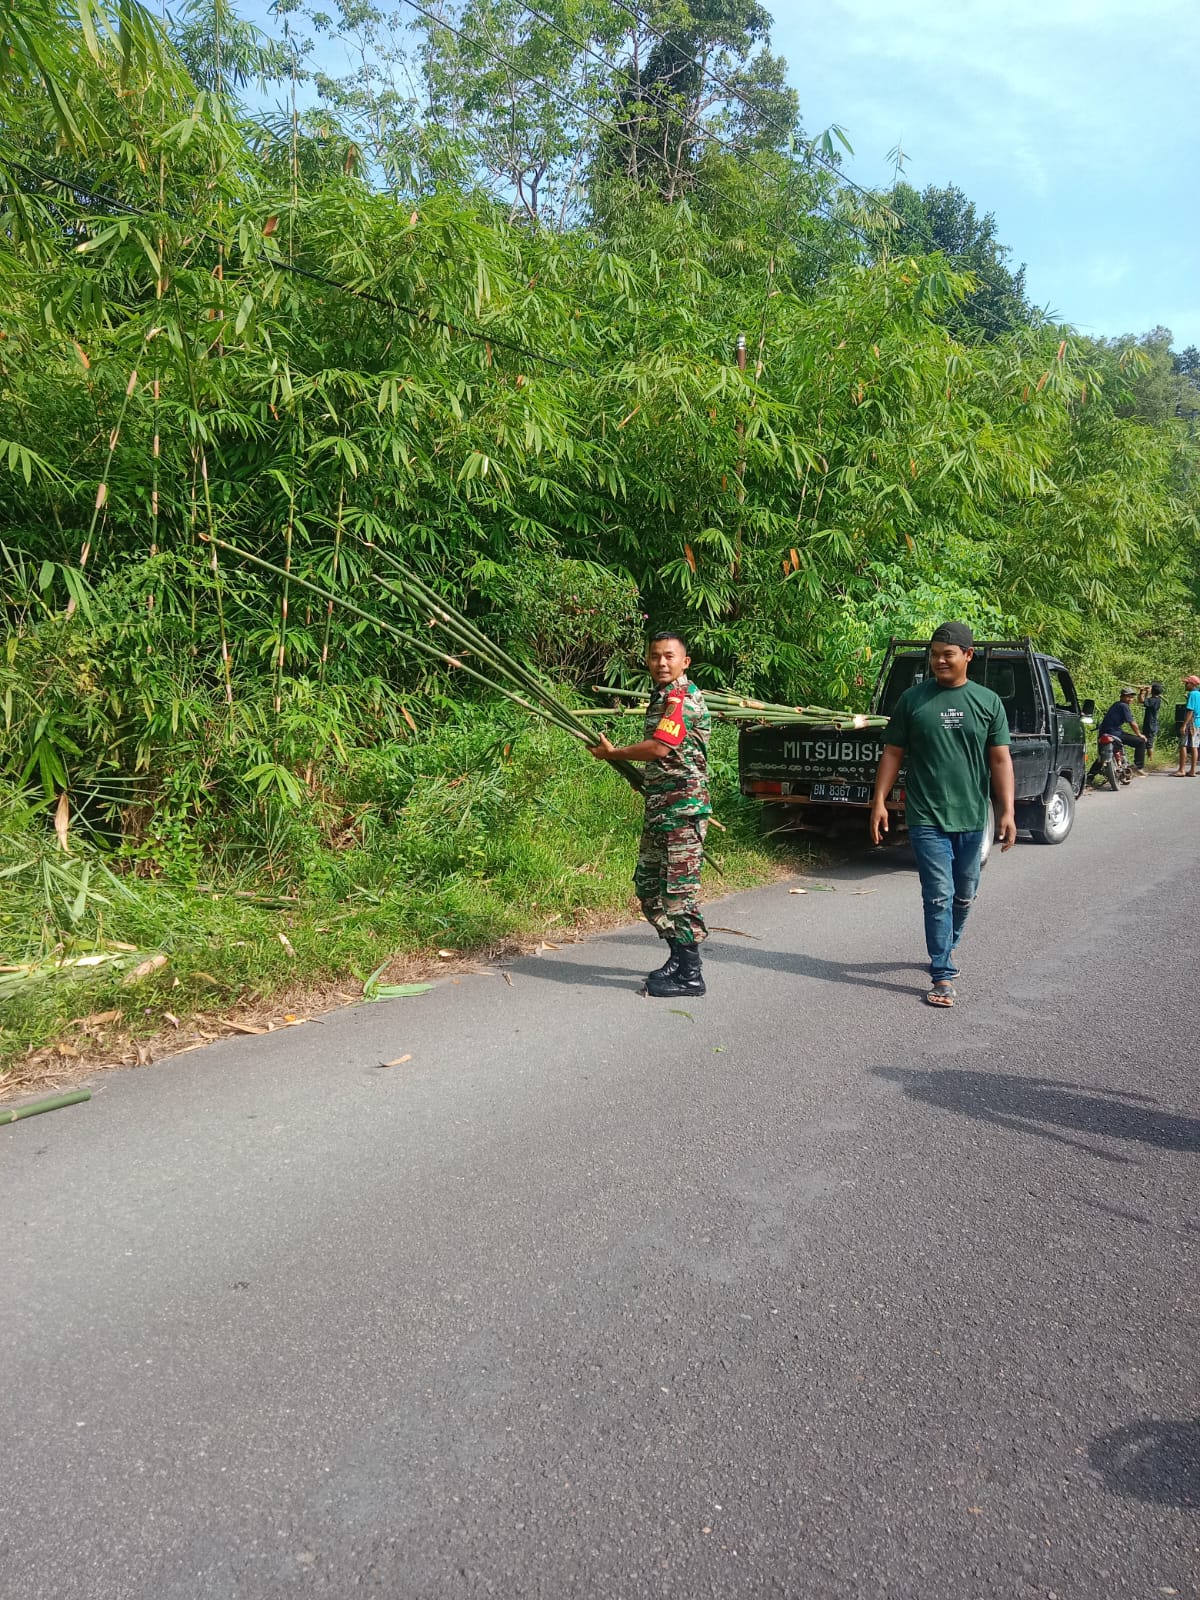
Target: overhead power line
[75, 186]
[484, 43]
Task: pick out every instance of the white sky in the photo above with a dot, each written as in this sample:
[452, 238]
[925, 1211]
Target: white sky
[1074, 121]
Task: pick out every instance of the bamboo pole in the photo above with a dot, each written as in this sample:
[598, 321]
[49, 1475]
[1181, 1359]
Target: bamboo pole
[551, 712]
[212, 539]
[467, 634]
[36, 1107]
[335, 572]
[283, 597]
[740, 708]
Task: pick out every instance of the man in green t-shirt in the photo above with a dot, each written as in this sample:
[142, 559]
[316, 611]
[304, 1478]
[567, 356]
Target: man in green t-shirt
[952, 737]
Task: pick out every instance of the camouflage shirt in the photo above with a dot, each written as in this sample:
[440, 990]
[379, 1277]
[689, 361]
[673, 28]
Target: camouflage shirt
[676, 785]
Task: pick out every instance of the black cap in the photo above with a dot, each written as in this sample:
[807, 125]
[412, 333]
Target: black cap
[1156, 688]
[954, 633]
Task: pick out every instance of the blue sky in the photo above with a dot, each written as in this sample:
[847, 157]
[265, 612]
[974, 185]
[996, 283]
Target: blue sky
[1074, 121]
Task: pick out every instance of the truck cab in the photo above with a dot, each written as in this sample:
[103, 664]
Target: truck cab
[823, 773]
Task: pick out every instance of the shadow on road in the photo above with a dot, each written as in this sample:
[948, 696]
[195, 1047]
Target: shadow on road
[865, 974]
[1158, 1461]
[1038, 1105]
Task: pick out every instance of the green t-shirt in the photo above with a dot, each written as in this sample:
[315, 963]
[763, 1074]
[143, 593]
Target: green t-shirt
[946, 734]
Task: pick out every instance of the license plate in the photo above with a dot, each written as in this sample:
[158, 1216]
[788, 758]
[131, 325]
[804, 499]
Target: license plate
[852, 793]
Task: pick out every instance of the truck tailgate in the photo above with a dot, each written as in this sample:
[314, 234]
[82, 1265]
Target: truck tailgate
[785, 761]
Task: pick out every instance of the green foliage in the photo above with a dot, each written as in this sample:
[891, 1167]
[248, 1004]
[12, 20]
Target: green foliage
[946, 220]
[485, 325]
[487, 836]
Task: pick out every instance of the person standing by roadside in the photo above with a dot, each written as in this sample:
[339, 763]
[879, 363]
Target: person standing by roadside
[671, 853]
[952, 736]
[1151, 703]
[1189, 728]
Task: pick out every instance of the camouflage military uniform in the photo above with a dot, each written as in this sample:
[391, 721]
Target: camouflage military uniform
[671, 852]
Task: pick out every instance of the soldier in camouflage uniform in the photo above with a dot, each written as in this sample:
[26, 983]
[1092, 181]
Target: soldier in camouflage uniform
[671, 852]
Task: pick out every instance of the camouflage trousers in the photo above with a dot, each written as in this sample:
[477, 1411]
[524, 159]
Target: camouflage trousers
[667, 878]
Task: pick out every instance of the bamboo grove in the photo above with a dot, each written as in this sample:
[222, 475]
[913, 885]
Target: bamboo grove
[643, 361]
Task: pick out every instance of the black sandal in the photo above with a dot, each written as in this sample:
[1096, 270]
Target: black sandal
[941, 995]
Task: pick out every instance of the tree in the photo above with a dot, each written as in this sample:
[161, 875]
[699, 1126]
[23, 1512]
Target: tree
[693, 73]
[1187, 367]
[945, 220]
[1148, 384]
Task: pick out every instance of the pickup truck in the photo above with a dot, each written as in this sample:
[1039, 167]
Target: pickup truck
[823, 773]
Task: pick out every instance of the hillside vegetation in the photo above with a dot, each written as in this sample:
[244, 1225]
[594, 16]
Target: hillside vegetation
[479, 302]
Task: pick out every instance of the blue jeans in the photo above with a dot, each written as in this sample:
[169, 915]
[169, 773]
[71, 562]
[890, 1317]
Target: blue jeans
[949, 867]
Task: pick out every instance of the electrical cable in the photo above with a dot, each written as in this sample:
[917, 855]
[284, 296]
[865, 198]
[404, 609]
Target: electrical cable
[399, 307]
[510, 66]
[780, 180]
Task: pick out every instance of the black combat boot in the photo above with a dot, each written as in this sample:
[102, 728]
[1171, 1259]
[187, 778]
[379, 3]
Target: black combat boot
[669, 967]
[686, 979]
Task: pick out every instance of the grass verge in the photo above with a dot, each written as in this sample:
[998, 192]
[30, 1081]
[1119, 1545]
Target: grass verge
[483, 855]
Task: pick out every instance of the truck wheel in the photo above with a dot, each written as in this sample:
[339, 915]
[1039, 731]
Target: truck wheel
[1058, 814]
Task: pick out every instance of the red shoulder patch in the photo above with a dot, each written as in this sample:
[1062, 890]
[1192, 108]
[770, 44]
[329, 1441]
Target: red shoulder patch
[672, 727]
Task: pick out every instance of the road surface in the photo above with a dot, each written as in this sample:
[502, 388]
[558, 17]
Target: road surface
[802, 1289]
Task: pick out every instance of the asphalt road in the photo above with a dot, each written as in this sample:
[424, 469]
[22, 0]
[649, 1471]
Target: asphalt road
[803, 1289]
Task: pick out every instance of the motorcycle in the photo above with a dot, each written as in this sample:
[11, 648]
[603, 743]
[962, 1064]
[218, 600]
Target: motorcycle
[1111, 763]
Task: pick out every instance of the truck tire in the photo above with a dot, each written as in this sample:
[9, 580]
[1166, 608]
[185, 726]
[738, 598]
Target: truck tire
[1058, 814]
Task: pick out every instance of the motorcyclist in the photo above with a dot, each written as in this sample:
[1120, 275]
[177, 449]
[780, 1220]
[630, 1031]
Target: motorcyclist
[1118, 717]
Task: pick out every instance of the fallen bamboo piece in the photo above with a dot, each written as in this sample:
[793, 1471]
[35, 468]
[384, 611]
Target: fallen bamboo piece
[36, 1107]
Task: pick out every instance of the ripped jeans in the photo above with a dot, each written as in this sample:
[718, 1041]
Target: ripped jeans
[949, 867]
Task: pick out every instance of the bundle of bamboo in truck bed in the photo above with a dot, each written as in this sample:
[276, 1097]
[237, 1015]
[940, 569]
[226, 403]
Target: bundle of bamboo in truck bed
[739, 708]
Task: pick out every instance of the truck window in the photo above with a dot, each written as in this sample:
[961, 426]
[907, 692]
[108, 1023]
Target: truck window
[1012, 679]
[1065, 698]
[906, 670]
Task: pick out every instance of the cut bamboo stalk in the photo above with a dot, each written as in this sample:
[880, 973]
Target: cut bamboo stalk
[739, 708]
[556, 714]
[36, 1107]
[334, 572]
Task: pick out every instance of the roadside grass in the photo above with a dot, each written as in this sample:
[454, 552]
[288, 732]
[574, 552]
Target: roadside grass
[536, 842]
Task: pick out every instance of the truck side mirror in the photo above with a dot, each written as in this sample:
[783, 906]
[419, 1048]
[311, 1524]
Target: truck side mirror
[1088, 708]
